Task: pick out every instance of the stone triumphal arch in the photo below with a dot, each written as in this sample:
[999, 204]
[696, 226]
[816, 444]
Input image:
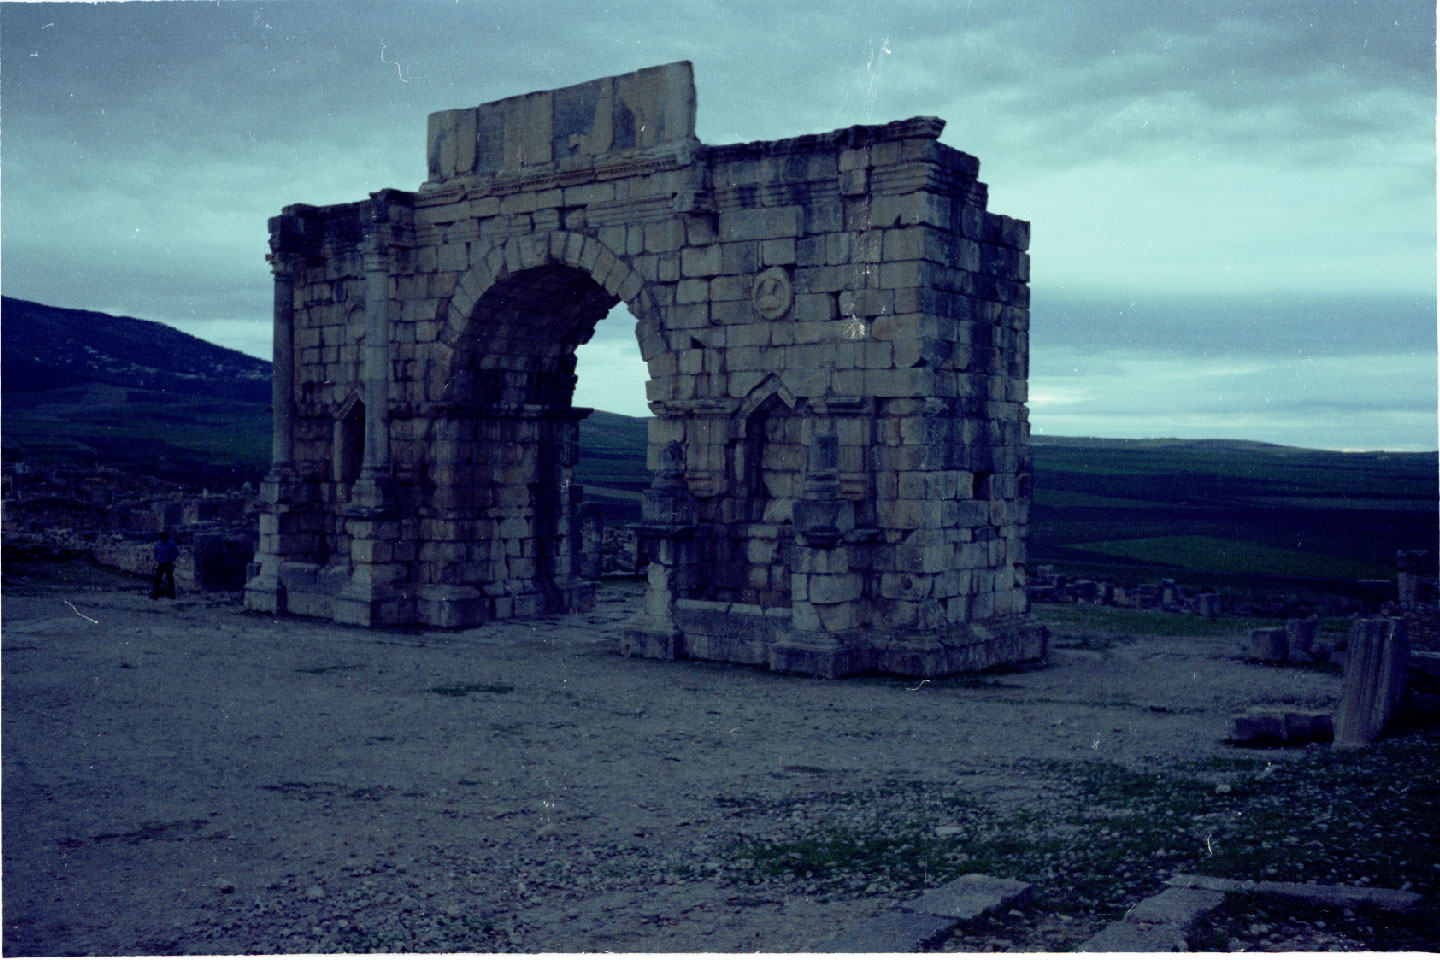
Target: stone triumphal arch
[836, 332]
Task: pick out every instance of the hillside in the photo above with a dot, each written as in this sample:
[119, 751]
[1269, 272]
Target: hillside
[87, 388]
[50, 347]
[141, 396]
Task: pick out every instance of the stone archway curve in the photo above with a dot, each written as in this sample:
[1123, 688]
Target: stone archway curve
[560, 247]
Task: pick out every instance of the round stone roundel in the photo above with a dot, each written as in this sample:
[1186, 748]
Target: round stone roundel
[771, 293]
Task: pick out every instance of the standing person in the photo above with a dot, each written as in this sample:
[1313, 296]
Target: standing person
[167, 551]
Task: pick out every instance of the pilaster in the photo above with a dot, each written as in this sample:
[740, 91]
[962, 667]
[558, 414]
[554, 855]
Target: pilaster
[666, 535]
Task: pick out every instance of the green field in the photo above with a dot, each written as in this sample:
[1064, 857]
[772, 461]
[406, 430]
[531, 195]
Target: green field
[189, 439]
[1228, 508]
[1236, 556]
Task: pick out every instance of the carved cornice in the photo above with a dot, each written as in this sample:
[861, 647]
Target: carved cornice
[615, 166]
[923, 128]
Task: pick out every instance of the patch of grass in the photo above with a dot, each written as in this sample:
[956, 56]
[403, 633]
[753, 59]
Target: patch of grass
[465, 689]
[1090, 626]
[1100, 837]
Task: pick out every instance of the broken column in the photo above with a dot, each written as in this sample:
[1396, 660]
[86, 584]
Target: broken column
[1374, 680]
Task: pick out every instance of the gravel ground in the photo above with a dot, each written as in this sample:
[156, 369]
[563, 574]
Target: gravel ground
[188, 778]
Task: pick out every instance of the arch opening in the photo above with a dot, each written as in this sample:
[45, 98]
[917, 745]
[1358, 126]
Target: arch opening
[516, 442]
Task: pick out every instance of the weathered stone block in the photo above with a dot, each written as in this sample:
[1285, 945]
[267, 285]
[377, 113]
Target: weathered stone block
[972, 896]
[1375, 670]
[766, 223]
[1268, 645]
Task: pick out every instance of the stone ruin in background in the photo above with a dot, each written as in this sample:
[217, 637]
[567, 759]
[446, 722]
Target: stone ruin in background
[836, 332]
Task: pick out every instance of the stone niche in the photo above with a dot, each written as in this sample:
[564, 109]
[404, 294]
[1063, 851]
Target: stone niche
[836, 332]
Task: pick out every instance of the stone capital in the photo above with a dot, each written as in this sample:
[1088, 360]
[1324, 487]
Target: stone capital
[376, 251]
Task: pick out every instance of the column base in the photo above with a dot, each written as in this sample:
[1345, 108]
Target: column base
[653, 639]
[966, 649]
[265, 594]
[368, 605]
[821, 655]
[451, 608]
[371, 499]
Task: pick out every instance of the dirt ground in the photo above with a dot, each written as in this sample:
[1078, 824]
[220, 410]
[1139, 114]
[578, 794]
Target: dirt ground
[183, 777]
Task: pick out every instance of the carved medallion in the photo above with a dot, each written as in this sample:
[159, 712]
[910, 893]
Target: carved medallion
[772, 293]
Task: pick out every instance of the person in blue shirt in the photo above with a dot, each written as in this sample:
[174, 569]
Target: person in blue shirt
[167, 551]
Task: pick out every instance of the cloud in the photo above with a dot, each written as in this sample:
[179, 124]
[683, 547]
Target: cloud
[1205, 180]
[1388, 400]
[1291, 325]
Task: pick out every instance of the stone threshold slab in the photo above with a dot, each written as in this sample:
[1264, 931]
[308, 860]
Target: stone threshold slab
[932, 916]
[1399, 901]
[972, 895]
[1158, 924]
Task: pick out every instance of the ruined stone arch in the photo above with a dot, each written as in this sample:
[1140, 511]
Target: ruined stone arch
[586, 255]
[836, 334]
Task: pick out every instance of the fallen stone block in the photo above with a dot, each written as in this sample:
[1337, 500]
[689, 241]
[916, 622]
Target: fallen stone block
[1253, 727]
[1309, 726]
[891, 933]
[972, 895]
[1280, 725]
[1122, 936]
[1158, 924]
[1181, 906]
[1329, 895]
[1268, 645]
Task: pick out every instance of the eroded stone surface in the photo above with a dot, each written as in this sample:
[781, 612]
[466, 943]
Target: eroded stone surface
[1181, 906]
[1125, 937]
[1375, 670]
[1324, 894]
[973, 895]
[891, 933]
[845, 296]
[1157, 924]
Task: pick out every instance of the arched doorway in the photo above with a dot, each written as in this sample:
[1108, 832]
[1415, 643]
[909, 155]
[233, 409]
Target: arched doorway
[504, 472]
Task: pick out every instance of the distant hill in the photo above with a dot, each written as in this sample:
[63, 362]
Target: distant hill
[87, 388]
[50, 347]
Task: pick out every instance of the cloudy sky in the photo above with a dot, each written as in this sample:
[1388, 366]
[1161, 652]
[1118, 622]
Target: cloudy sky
[1233, 202]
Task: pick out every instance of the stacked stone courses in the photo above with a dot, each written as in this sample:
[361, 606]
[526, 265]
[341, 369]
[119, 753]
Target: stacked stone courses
[836, 333]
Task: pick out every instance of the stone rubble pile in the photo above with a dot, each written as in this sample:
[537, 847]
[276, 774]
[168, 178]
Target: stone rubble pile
[115, 517]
